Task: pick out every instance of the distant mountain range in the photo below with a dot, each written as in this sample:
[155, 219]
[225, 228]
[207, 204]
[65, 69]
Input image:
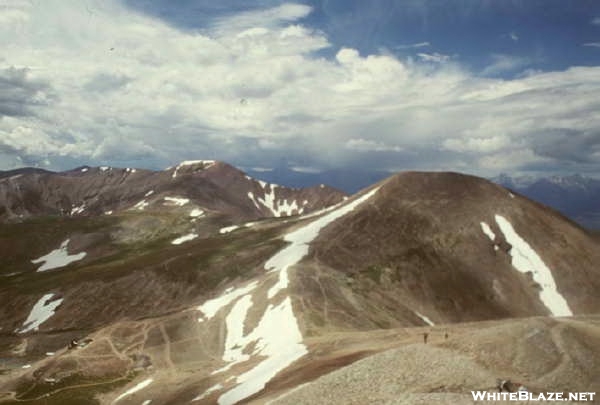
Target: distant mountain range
[575, 196]
[200, 284]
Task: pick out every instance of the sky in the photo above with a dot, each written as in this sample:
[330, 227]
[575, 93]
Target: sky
[481, 87]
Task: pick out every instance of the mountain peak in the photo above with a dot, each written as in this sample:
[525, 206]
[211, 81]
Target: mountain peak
[213, 186]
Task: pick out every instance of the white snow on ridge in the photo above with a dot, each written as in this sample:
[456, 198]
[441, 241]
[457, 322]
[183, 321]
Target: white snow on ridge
[184, 238]
[525, 259]
[300, 240]
[277, 336]
[425, 319]
[149, 193]
[104, 168]
[287, 209]
[40, 313]
[212, 306]
[253, 199]
[134, 389]
[58, 258]
[179, 201]
[85, 169]
[488, 231]
[279, 208]
[206, 163]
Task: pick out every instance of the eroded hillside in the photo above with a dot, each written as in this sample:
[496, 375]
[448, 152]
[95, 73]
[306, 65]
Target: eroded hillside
[161, 305]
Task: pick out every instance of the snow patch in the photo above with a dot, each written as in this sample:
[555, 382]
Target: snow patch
[279, 208]
[232, 228]
[179, 201]
[488, 231]
[108, 212]
[277, 337]
[149, 193]
[525, 259]
[251, 197]
[212, 306]
[184, 238]
[206, 163]
[235, 331]
[135, 389]
[85, 169]
[77, 210]
[58, 258]
[141, 205]
[228, 229]
[42, 310]
[147, 402]
[196, 212]
[26, 366]
[425, 319]
[130, 170]
[104, 168]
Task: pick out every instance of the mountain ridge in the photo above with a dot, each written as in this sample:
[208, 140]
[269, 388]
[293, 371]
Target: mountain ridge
[215, 309]
[211, 184]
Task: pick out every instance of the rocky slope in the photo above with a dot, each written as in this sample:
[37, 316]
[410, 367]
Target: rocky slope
[182, 309]
[455, 248]
[211, 185]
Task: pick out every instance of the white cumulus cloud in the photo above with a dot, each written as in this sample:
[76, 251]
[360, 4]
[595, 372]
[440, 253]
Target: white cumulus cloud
[96, 82]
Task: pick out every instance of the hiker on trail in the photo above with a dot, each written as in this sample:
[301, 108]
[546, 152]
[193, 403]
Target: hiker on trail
[425, 336]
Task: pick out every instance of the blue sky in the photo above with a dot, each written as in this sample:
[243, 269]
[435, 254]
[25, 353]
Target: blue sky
[538, 34]
[473, 86]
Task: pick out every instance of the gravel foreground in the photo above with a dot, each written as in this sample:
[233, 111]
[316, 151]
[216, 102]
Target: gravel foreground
[414, 374]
